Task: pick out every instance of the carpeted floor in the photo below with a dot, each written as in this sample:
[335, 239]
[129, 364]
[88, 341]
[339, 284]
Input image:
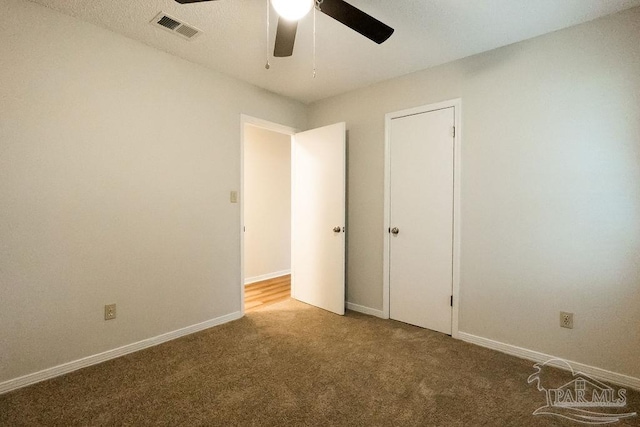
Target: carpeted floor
[292, 364]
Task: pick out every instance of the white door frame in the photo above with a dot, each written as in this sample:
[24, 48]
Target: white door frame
[264, 124]
[457, 163]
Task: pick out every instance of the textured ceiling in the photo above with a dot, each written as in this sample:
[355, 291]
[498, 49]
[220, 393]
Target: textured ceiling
[428, 33]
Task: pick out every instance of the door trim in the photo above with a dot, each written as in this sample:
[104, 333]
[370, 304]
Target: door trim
[457, 163]
[264, 124]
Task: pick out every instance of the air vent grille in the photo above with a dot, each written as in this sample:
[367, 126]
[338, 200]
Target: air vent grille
[186, 31]
[175, 26]
[169, 23]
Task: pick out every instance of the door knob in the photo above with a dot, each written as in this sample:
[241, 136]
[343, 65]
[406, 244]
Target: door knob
[337, 229]
[395, 231]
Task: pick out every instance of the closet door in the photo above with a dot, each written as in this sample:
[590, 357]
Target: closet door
[421, 219]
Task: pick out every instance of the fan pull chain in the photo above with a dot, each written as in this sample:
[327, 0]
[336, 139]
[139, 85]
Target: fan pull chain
[267, 65]
[317, 5]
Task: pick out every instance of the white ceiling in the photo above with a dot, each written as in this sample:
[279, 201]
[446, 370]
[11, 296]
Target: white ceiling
[427, 33]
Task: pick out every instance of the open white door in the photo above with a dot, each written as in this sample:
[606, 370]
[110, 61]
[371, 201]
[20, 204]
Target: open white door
[318, 160]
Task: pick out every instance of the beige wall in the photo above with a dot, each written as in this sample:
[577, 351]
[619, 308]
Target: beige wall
[550, 188]
[116, 162]
[267, 203]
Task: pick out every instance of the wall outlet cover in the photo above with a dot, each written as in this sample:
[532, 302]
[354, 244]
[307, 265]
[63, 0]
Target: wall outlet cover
[566, 320]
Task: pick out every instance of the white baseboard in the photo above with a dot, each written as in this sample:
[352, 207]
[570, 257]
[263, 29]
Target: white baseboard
[254, 279]
[65, 368]
[365, 310]
[523, 353]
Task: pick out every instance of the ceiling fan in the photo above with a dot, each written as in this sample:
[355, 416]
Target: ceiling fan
[290, 11]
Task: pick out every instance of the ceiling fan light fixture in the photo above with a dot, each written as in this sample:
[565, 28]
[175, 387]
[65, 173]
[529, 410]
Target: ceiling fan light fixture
[292, 10]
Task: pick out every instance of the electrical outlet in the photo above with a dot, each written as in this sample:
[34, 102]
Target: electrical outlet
[109, 312]
[566, 320]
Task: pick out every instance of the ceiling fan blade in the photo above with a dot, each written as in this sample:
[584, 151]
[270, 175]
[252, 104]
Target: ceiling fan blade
[357, 20]
[285, 37]
[191, 1]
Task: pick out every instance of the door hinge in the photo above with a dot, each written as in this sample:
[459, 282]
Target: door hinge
[453, 131]
[451, 300]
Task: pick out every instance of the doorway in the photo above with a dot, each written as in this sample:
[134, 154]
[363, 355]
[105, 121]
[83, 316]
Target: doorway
[267, 217]
[422, 190]
[317, 215]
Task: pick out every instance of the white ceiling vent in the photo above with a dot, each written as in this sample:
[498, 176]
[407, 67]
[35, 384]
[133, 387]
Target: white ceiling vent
[174, 26]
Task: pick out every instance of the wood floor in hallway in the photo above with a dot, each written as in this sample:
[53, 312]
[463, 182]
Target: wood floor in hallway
[260, 294]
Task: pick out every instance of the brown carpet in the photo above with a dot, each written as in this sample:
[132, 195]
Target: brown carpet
[292, 364]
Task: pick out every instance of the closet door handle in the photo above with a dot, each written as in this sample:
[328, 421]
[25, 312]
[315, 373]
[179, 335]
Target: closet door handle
[337, 229]
[395, 231]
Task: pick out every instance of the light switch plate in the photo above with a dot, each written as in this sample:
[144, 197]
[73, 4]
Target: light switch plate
[233, 197]
[109, 312]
